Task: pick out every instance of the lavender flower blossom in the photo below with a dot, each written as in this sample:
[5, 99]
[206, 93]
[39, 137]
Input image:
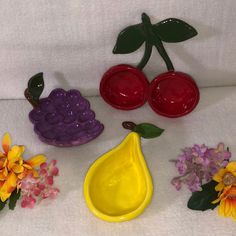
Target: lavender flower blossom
[198, 164]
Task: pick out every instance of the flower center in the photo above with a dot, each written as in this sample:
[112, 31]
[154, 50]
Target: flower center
[229, 179]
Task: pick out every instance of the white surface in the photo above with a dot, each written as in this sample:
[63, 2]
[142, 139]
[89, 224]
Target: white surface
[72, 41]
[213, 121]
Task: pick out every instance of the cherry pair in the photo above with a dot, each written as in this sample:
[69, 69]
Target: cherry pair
[171, 94]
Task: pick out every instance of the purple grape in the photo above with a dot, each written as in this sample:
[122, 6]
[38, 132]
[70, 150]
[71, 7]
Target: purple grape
[65, 119]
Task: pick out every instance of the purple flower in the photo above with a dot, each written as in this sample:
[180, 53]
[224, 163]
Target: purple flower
[177, 183]
[197, 165]
[193, 182]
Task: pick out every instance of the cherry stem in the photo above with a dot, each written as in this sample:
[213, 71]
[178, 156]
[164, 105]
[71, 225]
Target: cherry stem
[129, 125]
[160, 48]
[30, 98]
[146, 56]
[152, 39]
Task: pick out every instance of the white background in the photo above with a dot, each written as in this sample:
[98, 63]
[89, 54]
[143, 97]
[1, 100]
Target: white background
[71, 41]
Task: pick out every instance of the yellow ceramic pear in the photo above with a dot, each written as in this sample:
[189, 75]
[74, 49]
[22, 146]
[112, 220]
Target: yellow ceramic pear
[118, 186]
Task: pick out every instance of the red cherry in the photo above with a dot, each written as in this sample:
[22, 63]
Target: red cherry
[124, 87]
[173, 94]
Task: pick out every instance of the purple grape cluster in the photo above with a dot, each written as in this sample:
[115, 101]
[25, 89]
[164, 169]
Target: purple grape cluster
[65, 119]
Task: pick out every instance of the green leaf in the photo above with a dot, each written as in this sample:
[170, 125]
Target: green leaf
[2, 204]
[173, 30]
[202, 200]
[36, 86]
[129, 40]
[147, 130]
[13, 199]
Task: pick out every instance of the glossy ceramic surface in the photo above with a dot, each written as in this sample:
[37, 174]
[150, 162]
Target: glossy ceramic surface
[65, 119]
[118, 186]
[173, 94]
[124, 87]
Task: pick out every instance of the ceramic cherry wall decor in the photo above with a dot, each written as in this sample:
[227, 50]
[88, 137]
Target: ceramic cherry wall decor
[171, 94]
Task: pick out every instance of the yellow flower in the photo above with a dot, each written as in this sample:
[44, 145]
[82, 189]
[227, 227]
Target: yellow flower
[226, 176]
[227, 201]
[8, 186]
[226, 187]
[13, 167]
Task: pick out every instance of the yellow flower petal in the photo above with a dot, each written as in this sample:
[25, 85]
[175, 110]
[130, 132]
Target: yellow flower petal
[233, 214]
[4, 196]
[2, 176]
[221, 209]
[1, 154]
[14, 154]
[5, 163]
[219, 175]
[36, 160]
[27, 166]
[5, 172]
[10, 165]
[8, 187]
[6, 142]
[18, 169]
[22, 175]
[10, 182]
[35, 173]
[231, 167]
[22, 149]
[219, 187]
[227, 208]
[216, 201]
[1, 164]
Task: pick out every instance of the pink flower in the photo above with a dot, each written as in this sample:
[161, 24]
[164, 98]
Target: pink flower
[53, 170]
[36, 189]
[28, 201]
[50, 193]
[50, 180]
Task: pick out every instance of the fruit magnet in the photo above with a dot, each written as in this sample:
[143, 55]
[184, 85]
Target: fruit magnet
[171, 94]
[62, 119]
[118, 185]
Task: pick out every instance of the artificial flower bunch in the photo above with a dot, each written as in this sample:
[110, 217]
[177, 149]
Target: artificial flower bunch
[31, 179]
[210, 176]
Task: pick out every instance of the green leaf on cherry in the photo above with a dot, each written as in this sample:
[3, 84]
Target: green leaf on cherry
[147, 130]
[36, 86]
[173, 30]
[202, 200]
[129, 40]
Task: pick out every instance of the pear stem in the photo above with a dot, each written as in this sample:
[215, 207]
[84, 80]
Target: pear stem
[129, 125]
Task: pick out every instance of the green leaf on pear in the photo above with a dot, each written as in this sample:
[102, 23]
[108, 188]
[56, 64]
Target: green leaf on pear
[130, 39]
[202, 200]
[147, 130]
[173, 30]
